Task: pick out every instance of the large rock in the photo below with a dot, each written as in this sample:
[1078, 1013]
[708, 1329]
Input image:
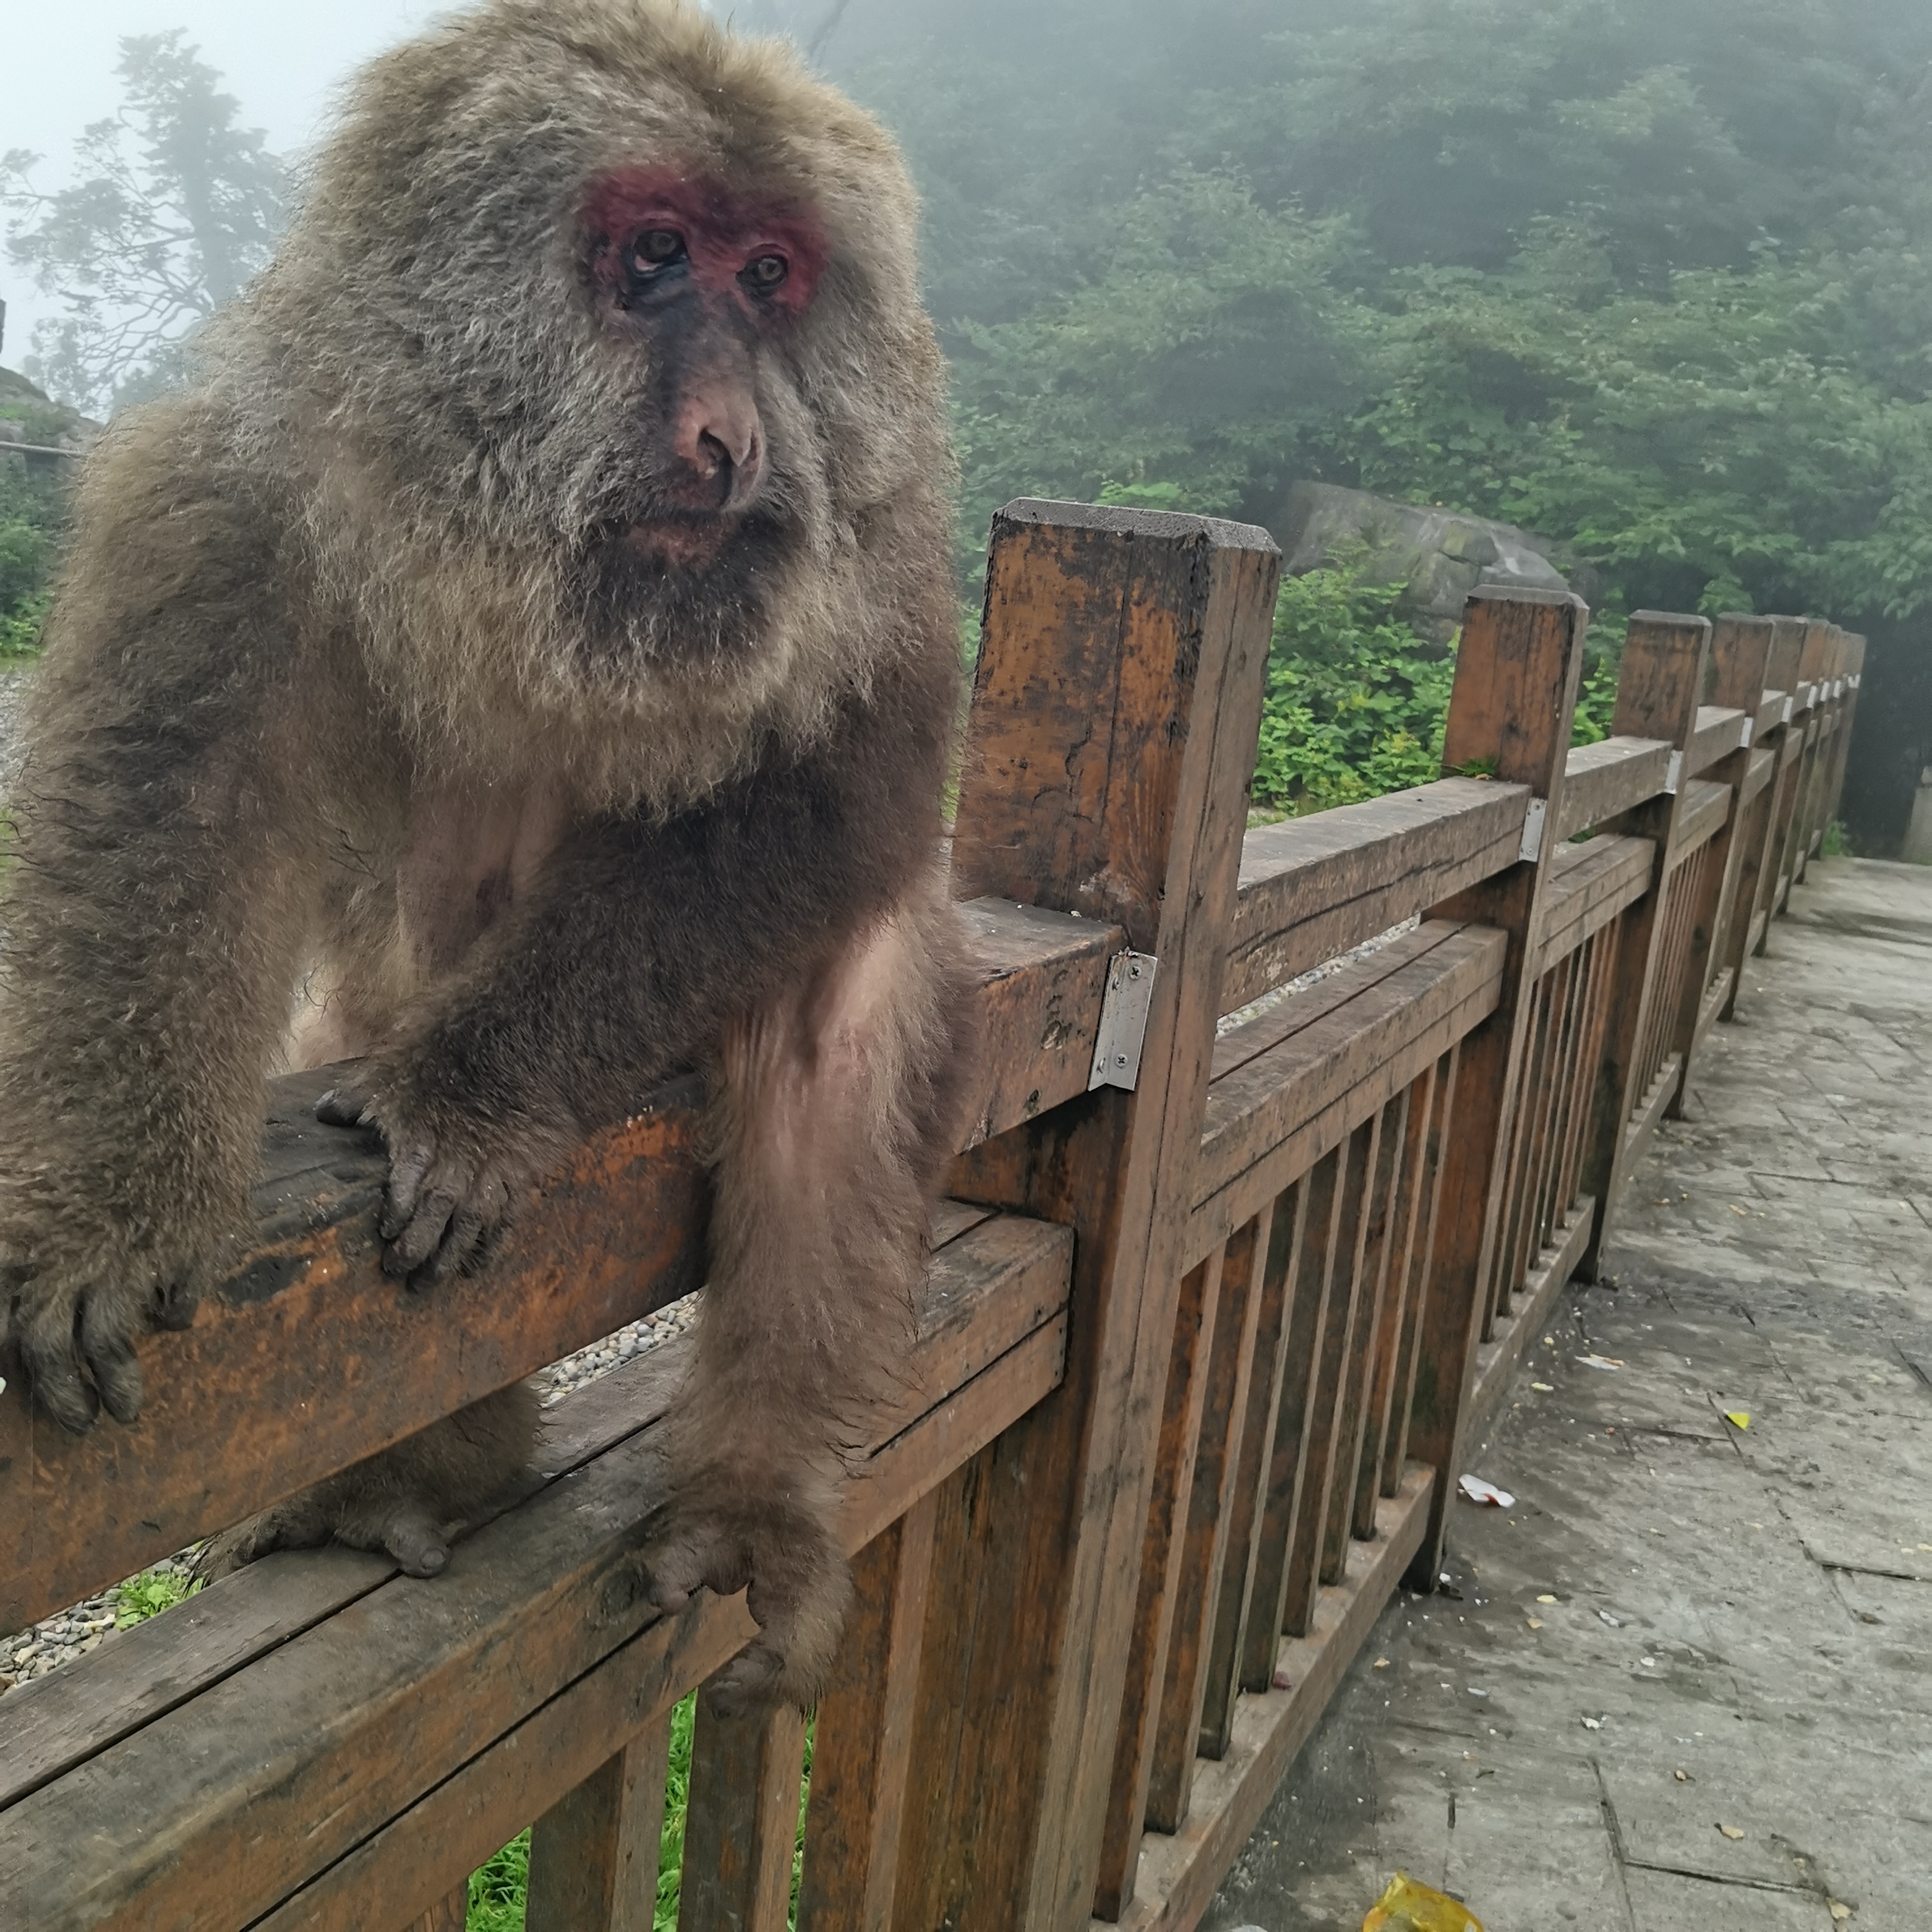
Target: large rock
[1439, 556]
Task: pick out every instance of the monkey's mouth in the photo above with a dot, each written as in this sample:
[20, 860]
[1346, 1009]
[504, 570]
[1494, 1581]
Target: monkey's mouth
[683, 540]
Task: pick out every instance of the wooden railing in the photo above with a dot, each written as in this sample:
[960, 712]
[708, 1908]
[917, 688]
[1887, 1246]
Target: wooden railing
[1195, 1366]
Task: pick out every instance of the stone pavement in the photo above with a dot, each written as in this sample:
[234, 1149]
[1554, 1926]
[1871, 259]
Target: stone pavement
[1687, 1682]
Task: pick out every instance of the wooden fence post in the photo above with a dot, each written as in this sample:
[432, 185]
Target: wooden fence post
[1659, 688]
[594, 1853]
[1812, 660]
[1116, 706]
[1787, 647]
[1823, 751]
[1510, 715]
[1740, 653]
[1854, 676]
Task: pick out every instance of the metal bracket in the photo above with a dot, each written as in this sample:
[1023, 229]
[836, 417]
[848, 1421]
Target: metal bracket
[1786, 719]
[1744, 734]
[1532, 847]
[1673, 773]
[1123, 1018]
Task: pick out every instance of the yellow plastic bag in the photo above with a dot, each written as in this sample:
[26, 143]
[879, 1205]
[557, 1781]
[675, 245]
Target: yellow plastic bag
[1406, 1906]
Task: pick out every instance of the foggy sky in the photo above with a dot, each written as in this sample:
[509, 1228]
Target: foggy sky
[281, 62]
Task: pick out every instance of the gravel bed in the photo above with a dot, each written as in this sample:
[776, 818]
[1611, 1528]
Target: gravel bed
[73, 1633]
[1229, 1021]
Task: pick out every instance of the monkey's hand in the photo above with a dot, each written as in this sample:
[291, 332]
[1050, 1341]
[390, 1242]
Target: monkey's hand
[70, 1310]
[728, 1524]
[455, 1177]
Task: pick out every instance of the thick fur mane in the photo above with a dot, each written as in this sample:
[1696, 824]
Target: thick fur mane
[449, 448]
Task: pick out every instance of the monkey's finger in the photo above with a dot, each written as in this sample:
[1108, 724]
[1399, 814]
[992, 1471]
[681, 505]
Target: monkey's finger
[405, 1179]
[344, 1107]
[110, 1356]
[414, 1244]
[459, 1243]
[53, 1374]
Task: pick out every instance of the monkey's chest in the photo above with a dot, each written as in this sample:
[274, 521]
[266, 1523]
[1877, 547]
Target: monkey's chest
[469, 858]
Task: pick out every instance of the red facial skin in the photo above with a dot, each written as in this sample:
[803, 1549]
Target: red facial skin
[722, 231]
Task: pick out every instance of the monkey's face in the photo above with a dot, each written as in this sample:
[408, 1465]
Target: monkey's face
[700, 295]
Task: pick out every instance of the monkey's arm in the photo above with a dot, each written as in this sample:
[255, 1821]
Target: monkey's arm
[150, 928]
[646, 939]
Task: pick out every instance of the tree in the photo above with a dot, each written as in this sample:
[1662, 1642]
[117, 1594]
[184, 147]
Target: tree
[175, 208]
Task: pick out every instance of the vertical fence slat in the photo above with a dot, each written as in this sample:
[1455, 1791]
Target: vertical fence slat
[447, 1915]
[861, 1748]
[1351, 1423]
[1411, 1204]
[1188, 1375]
[594, 1853]
[1422, 1263]
[1510, 712]
[741, 1821]
[1197, 1584]
[1333, 1352]
[1658, 692]
[1118, 704]
[1854, 674]
[1248, 1518]
[1315, 1238]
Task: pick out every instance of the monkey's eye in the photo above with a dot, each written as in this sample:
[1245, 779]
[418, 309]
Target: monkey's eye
[763, 273]
[656, 248]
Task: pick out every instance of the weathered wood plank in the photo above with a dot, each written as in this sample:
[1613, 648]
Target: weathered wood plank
[1179, 1874]
[1602, 782]
[1118, 704]
[1718, 732]
[1658, 689]
[1269, 1117]
[314, 1358]
[1162, 1554]
[862, 1751]
[281, 1791]
[1312, 887]
[594, 1853]
[1589, 884]
[1702, 814]
[741, 1821]
[1515, 694]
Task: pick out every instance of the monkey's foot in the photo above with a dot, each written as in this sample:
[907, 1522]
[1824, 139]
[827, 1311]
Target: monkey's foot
[405, 1528]
[453, 1181]
[75, 1335]
[798, 1587]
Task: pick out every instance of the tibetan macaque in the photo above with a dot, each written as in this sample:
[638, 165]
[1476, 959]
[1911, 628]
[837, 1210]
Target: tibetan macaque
[525, 665]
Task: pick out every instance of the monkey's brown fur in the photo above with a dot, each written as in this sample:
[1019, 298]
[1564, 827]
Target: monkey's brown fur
[386, 713]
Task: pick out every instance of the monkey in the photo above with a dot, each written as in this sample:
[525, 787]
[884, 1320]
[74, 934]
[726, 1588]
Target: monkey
[523, 664]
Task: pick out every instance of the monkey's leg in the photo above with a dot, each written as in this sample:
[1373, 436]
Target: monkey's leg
[832, 1127]
[408, 1502]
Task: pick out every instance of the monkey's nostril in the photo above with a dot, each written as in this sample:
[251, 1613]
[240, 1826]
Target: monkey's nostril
[714, 459]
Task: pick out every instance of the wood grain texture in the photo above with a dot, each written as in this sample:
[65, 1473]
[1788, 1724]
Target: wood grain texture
[862, 1750]
[531, 1607]
[1588, 886]
[594, 1853]
[1659, 687]
[1603, 781]
[741, 1821]
[315, 1358]
[1510, 707]
[1311, 888]
[1162, 1553]
[1118, 702]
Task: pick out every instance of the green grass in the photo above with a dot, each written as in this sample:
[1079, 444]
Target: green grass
[497, 1891]
[148, 1594]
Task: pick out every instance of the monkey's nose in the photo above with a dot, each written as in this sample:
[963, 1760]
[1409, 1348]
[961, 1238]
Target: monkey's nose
[718, 434]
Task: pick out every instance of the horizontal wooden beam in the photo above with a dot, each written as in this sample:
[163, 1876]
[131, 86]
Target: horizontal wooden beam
[1312, 888]
[1700, 816]
[1603, 780]
[1291, 1083]
[1589, 884]
[269, 1778]
[306, 1357]
[1719, 731]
